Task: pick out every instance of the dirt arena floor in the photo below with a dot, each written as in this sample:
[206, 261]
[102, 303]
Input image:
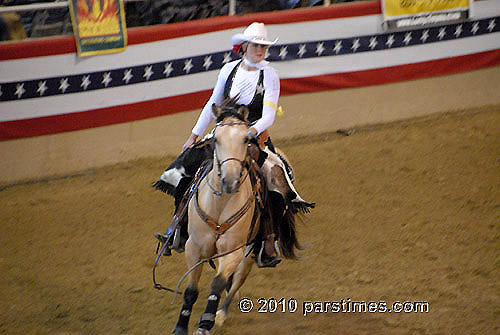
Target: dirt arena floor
[407, 212]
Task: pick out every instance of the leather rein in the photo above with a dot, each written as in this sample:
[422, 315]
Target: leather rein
[221, 228]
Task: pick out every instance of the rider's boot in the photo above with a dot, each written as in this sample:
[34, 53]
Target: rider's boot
[176, 236]
[269, 254]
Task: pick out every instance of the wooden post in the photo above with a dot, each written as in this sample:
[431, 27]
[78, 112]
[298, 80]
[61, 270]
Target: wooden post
[232, 7]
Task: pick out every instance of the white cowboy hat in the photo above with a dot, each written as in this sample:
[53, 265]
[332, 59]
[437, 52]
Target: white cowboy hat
[255, 33]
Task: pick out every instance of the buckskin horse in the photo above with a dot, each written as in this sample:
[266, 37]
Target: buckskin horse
[224, 215]
[220, 220]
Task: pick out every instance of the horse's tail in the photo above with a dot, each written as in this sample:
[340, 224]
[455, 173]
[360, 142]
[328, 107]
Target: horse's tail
[289, 242]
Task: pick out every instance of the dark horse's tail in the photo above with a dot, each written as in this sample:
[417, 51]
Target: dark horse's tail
[289, 242]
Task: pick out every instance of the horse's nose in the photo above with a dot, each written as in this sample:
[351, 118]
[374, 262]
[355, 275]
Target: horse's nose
[230, 186]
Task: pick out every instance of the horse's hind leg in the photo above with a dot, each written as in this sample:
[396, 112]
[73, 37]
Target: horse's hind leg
[191, 291]
[239, 278]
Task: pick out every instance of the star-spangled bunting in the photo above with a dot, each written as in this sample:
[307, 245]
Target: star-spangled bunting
[46, 87]
[85, 82]
[390, 41]
[148, 72]
[42, 87]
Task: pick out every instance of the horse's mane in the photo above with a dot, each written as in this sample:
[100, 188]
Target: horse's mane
[229, 108]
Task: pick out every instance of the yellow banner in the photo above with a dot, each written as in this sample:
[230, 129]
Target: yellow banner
[99, 26]
[394, 8]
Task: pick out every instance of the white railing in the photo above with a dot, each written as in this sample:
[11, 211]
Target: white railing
[34, 6]
[63, 4]
[41, 6]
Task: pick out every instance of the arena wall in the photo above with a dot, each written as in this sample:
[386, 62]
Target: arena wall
[60, 134]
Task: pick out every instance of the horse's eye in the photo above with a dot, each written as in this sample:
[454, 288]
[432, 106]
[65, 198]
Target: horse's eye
[246, 140]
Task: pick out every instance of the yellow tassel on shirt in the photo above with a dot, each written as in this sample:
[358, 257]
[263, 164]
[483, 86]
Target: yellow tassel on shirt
[278, 109]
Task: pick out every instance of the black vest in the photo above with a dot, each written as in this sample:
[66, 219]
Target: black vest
[255, 106]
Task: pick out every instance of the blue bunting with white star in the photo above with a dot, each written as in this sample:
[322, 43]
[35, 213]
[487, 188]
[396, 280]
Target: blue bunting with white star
[82, 82]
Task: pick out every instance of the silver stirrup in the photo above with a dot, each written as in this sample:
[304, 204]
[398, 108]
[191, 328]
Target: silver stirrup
[177, 238]
[248, 250]
[276, 249]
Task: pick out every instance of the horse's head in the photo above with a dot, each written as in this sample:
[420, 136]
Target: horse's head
[231, 143]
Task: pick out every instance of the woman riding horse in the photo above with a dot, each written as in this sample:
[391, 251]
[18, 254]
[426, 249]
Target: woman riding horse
[253, 83]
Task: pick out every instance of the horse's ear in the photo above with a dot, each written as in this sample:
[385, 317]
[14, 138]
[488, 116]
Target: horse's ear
[243, 111]
[216, 111]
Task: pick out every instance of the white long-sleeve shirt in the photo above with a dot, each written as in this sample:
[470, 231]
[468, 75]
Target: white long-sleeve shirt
[244, 87]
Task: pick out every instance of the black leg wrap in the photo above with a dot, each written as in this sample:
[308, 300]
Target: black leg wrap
[229, 282]
[207, 320]
[190, 296]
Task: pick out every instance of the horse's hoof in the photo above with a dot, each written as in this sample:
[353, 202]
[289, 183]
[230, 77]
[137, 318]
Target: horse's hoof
[180, 331]
[220, 317]
[201, 331]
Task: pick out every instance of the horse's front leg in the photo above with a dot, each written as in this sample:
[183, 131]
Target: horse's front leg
[227, 266]
[191, 292]
[239, 278]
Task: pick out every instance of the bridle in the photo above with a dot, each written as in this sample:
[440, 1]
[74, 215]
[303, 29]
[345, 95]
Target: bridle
[245, 165]
[221, 228]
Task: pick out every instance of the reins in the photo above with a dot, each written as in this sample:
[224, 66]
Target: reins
[221, 228]
[244, 164]
[211, 222]
[200, 174]
[156, 285]
[249, 242]
[202, 261]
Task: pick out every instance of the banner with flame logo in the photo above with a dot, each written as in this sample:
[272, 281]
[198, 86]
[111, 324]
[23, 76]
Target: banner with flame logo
[99, 26]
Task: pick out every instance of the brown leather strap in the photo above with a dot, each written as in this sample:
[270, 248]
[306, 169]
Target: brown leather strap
[263, 138]
[221, 228]
[203, 216]
[181, 211]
